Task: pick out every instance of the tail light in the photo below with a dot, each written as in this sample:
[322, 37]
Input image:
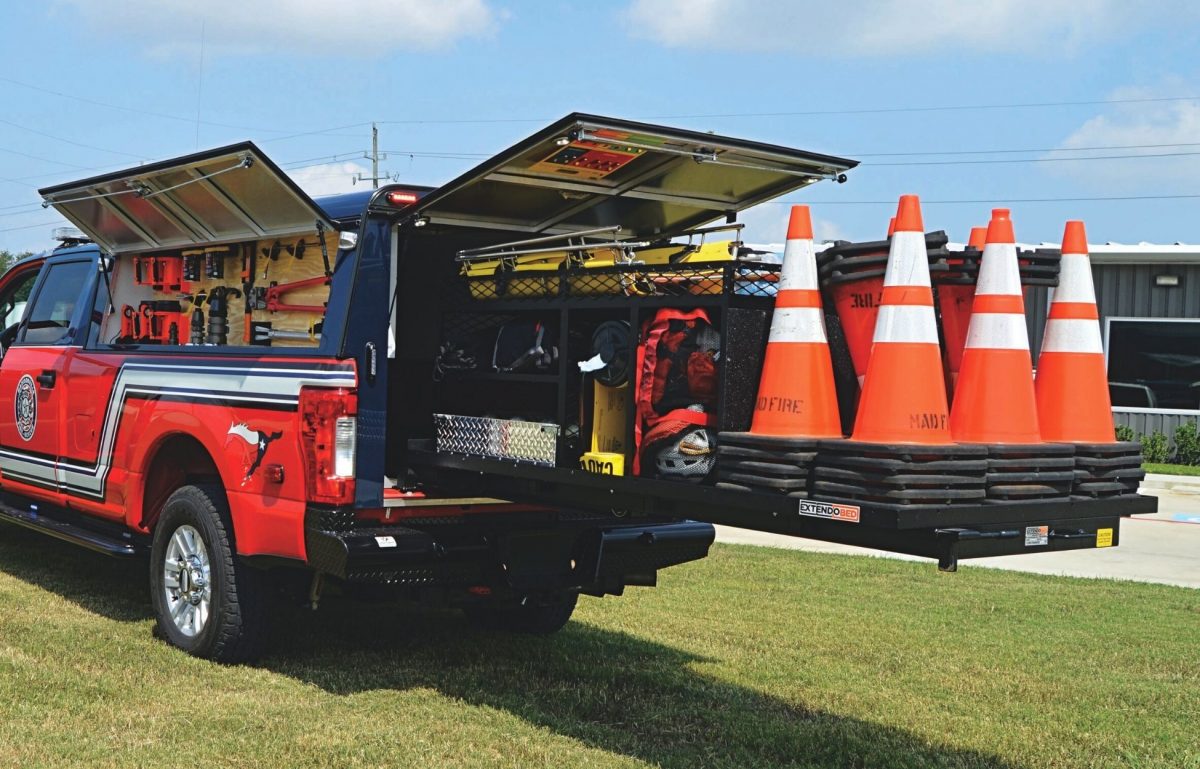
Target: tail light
[328, 433]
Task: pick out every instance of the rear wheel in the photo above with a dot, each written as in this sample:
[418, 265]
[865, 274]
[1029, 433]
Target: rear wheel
[206, 601]
[541, 615]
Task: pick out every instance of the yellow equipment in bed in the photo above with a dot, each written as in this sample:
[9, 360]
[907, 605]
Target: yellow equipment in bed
[651, 269]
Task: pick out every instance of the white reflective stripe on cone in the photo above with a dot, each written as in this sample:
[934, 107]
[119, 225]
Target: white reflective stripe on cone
[906, 323]
[998, 272]
[797, 324]
[1072, 335]
[1075, 280]
[997, 331]
[799, 265]
[908, 263]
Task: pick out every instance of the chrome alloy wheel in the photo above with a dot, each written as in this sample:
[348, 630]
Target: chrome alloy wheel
[187, 581]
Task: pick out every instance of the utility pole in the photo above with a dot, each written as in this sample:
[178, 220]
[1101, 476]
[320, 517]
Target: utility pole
[374, 157]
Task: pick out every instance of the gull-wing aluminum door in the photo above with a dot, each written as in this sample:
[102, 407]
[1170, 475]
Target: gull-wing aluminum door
[222, 195]
[586, 171]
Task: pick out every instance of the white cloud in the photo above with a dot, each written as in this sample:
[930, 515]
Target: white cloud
[329, 178]
[890, 27]
[292, 27]
[1133, 129]
[823, 229]
[767, 223]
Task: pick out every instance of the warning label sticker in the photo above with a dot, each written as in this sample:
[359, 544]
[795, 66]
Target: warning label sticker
[847, 513]
[1104, 537]
[1037, 535]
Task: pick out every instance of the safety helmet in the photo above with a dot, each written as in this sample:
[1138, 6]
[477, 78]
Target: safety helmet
[682, 450]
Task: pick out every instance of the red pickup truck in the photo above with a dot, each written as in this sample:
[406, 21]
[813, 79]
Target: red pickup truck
[234, 380]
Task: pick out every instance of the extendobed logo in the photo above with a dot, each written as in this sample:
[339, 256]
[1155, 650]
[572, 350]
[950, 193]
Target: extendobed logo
[846, 513]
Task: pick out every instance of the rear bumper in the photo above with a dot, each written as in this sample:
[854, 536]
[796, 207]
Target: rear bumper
[588, 555]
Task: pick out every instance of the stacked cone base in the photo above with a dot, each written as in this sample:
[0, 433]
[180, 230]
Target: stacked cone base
[1029, 472]
[1107, 469]
[904, 476]
[765, 463]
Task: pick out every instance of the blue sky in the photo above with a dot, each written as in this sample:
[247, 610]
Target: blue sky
[464, 78]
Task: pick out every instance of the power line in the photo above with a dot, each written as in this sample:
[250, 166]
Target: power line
[29, 226]
[293, 165]
[33, 209]
[980, 200]
[989, 161]
[20, 205]
[135, 110]
[811, 113]
[440, 155]
[21, 179]
[450, 155]
[318, 131]
[1017, 151]
[69, 141]
[937, 108]
[38, 157]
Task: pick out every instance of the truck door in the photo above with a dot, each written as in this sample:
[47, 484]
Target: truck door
[31, 375]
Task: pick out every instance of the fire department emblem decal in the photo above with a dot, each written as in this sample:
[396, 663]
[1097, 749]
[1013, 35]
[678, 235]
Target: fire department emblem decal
[25, 407]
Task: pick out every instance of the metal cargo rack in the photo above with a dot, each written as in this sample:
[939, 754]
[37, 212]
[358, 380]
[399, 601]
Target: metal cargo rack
[943, 533]
[596, 269]
[738, 290]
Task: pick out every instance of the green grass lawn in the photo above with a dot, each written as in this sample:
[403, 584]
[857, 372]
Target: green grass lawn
[1172, 469]
[751, 658]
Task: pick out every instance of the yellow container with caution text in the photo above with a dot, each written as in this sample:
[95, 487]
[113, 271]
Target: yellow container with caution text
[607, 456]
[603, 463]
[609, 418]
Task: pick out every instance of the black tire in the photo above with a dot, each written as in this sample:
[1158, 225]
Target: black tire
[543, 615]
[236, 626]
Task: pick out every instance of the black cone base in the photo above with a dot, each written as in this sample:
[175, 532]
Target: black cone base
[766, 463]
[900, 475]
[1025, 472]
[1107, 469]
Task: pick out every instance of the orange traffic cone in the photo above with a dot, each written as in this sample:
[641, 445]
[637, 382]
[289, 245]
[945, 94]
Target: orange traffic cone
[1072, 383]
[891, 226]
[954, 301]
[796, 395]
[993, 400]
[904, 393]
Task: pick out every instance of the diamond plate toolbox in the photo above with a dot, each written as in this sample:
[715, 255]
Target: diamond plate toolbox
[511, 439]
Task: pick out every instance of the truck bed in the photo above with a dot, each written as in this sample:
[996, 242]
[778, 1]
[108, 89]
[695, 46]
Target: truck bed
[944, 533]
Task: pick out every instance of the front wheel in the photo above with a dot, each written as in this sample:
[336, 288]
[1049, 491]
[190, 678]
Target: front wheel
[206, 601]
[535, 616]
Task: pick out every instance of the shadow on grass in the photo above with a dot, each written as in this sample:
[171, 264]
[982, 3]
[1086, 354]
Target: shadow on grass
[609, 690]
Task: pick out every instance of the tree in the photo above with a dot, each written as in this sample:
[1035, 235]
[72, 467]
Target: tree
[7, 258]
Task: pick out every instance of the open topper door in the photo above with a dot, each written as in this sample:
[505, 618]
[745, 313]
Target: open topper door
[217, 196]
[585, 172]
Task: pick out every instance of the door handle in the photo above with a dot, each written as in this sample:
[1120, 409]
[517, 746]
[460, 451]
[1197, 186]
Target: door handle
[47, 377]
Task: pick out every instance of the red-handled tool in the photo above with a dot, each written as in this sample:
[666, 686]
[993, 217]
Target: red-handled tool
[271, 297]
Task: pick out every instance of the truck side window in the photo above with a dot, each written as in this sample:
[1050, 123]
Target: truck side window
[54, 305]
[12, 304]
